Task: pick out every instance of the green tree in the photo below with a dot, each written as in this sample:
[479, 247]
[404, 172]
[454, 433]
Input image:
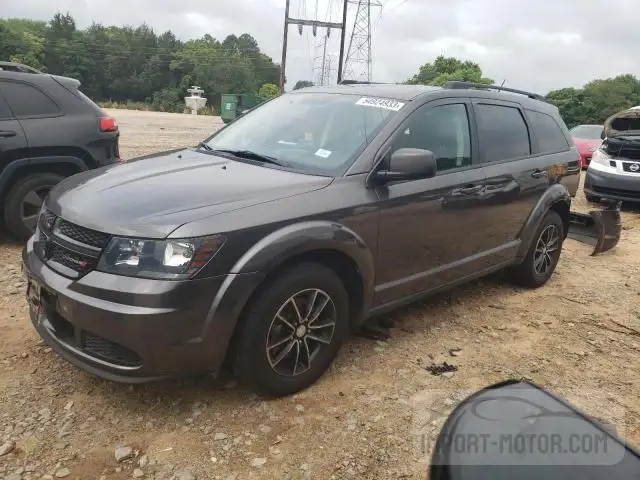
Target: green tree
[445, 69]
[269, 90]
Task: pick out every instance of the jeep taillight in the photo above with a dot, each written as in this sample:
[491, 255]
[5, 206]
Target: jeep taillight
[108, 124]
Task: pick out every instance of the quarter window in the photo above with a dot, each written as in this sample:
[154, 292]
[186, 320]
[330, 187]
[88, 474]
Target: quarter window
[502, 132]
[27, 101]
[550, 138]
[444, 130]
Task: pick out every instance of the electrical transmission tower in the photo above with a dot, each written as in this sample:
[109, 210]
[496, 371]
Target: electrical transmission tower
[358, 61]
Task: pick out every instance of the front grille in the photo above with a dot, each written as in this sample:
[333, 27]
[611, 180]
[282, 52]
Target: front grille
[631, 167]
[78, 262]
[616, 192]
[82, 234]
[70, 249]
[90, 343]
[109, 351]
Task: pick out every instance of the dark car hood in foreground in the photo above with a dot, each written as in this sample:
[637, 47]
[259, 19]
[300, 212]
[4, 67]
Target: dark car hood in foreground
[151, 197]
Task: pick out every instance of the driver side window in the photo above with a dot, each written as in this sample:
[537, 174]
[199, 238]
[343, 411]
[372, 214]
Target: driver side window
[444, 130]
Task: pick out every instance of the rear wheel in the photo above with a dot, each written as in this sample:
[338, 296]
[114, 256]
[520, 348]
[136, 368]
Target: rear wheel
[24, 201]
[543, 255]
[293, 330]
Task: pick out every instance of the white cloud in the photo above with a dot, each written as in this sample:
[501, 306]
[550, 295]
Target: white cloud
[552, 45]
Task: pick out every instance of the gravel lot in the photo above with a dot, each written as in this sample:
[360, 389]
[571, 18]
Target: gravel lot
[366, 417]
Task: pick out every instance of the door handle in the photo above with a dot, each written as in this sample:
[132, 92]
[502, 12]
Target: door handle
[470, 189]
[7, 133]
[539, 173]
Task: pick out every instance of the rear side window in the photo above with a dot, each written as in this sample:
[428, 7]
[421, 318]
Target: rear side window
[503, 133]
[28, 101]
[548, 133]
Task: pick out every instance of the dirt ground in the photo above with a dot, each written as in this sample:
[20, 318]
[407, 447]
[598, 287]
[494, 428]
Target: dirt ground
[366, 417]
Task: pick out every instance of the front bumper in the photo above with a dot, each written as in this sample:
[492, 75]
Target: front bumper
[613, 186]
[135, 330]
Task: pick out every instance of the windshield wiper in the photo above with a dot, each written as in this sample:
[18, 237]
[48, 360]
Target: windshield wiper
[205, 146]
[253, 156]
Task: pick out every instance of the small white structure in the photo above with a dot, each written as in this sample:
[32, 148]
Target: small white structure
[195, 101]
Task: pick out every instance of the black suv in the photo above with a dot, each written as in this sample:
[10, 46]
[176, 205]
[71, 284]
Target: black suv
[49, 130]
[270, 241]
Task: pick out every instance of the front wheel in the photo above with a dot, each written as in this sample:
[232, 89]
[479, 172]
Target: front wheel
[592, 198]
[543, 255]
[293, 330]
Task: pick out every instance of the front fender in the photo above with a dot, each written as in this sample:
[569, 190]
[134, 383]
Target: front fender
[273, 250]
[553, 195]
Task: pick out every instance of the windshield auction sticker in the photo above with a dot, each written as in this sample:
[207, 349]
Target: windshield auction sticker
[384, 103]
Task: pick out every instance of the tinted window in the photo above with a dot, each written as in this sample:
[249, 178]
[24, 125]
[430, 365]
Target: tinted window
[444, 130]
[503, 133]
[4, 109]
[27, 101]
[550, 137]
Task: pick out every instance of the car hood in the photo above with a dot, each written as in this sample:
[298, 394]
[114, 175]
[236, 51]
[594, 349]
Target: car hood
[625, 123]
[585, 145]
[154, 195]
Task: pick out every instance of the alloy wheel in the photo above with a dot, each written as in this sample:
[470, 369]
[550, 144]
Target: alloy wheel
[548, 243]
[303, 325]
[31, 205]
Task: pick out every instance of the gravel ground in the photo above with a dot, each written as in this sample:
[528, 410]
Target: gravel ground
[369, 417]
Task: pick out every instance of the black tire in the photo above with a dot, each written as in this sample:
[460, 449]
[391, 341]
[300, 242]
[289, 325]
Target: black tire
[592, 198]
[17, 206]
[530, 273]
[254, 360]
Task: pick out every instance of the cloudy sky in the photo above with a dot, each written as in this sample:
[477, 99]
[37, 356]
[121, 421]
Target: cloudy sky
[553, 44]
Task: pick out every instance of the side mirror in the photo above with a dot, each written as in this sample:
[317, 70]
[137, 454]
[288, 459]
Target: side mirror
[602, 135]
[409, 164]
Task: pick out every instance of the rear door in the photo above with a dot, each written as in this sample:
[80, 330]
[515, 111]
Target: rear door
[517, 172]
[12, 136]
[428, 230]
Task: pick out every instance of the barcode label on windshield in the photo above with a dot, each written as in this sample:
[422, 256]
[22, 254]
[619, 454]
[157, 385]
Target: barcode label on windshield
[385, 103]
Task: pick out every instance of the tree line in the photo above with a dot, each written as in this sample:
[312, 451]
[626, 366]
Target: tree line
[124, 64]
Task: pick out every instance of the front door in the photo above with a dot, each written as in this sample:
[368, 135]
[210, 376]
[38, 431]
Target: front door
[427, 228]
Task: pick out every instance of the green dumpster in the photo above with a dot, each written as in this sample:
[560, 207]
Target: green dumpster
[229, 108]
[234, 105]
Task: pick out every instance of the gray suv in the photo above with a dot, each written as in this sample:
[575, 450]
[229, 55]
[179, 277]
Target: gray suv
[264, 246]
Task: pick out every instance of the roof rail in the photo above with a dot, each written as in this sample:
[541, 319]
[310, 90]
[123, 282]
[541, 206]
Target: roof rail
[17, 67]
[358, 82]
[453, 84]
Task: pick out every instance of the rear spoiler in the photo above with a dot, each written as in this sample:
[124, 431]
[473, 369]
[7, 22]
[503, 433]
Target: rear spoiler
[69, 83]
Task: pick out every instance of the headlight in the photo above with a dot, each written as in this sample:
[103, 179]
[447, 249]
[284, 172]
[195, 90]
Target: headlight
[601, 158]
[167, 259]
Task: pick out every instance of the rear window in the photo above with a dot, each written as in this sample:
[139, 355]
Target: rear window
[503, 133]
[27, 101]
[90, 102]
[548, 133]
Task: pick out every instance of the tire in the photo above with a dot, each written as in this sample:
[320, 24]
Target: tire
[592, 198]
[272, 371]
[24, 200]
[530, 273]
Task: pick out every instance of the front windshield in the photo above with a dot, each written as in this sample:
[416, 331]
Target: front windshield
[318, 133]
[588, 132]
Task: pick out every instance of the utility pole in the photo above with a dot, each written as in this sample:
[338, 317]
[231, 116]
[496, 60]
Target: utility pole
[314, 24]
[343, 36]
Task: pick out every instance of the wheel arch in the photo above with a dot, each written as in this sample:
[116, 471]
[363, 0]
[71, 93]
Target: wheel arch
[557, 199]
[22, 167]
